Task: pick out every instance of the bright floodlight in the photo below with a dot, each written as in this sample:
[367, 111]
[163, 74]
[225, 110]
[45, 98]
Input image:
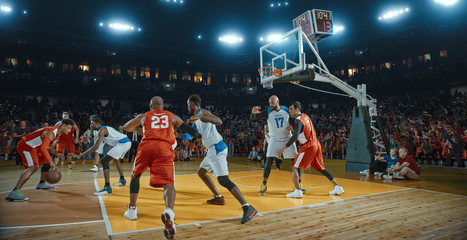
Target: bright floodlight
[286, 3]
[101, 24]
[230, 39]
[261, 39]
[6, 9]
[393, 14]
[121, 27]
[139, 29]
[200, 37]
[25, 12]
[446, 2]
[274, 37]
[279, 4]
[272, 4]
[338, 28]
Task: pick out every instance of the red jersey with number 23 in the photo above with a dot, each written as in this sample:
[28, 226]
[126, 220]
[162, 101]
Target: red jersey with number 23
[158, 126]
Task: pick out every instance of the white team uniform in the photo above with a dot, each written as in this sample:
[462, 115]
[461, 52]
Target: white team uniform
[120, 143]
[216, 157]
[278, 121]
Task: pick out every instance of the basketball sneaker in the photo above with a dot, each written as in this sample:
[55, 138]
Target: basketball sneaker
[106, 190]
[44, 186]
[216, 201]
[169, 226]
[248, 213]
[295, 194]
[16, 196]
[131, 213]
[263, 189]
[387, 176]
[94, 169]
[365, 173]
[69, 169]
[121, 182]
[337, 190]
[301, 187]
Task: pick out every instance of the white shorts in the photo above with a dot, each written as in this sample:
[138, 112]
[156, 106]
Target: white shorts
[275, 144]
[215, 162]
[119, 150]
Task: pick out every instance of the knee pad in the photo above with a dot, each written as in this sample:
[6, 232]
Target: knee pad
[226, 182]
[105, 162]
[134, 184]
[45, 167]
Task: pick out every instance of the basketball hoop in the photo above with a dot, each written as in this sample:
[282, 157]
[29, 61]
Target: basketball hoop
[269, 71]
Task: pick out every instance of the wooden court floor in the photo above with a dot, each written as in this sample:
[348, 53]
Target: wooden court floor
[371, 208]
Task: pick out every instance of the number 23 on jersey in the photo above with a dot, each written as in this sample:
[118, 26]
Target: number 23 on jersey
[160, 122]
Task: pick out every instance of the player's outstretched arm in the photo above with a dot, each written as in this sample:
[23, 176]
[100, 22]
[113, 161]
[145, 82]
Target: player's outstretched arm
[207, 116]
[132, 125]
[76, 133]
[178, 122]
[256, 114]
[96, 145]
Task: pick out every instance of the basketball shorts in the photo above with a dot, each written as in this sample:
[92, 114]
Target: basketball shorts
[68, 147]
[158, 156]
[309, 156]
[30, 156]
[119, 150]
[275, 144]
[216, 160]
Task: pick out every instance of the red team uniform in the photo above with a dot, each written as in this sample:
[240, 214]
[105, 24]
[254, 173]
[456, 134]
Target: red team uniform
[155, 150]
[310, 152]
[66, 142]
[32, 150]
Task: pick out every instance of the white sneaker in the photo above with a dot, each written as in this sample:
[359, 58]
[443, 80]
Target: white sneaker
[131, 214]
[337, 190]
[168, 217]
[364, 172]
[379, 174]
[295, 194]
[94, 169]
[387, 176]
[101, 169]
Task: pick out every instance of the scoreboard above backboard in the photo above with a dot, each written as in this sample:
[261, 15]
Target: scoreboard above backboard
[316, 24]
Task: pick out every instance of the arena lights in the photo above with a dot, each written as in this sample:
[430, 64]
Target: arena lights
[231, 39]
[120, 27]
[279, 4]
[25, 12]
[337, 28]
[271, 38]
[446, 2]
[393, 14]
[5, 9]
[199, 37]
[173, 1]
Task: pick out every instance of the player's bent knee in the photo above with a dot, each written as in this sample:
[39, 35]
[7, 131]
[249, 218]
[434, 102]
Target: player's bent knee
[106, 161]
[134, 184]
[226, 182]
[45, 167]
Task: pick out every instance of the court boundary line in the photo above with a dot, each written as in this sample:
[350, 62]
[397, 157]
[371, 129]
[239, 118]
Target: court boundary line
[270, 187]
[50, 225]
[53, 185]
[261, 213]
[104, 211]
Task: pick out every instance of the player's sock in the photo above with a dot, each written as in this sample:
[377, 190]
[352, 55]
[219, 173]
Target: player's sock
[14, 189]
[245, 205]
[218, 196]
[41, 181]
[122, 177]
[264, 182]
[107, 184]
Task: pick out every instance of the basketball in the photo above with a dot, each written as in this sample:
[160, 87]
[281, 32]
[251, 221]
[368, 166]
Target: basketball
[53, 176]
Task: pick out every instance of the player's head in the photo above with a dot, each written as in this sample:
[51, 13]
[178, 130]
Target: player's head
[96, 122]
[403, 152]
[194, 103]
[65, 126]
[157, 103]
[66, 115]
[295, 108]
[22, 124]
[274, 102]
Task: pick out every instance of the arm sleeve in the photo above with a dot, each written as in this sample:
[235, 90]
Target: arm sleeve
[185, 127]
[297, 130]
[43, 148]
[262, 115]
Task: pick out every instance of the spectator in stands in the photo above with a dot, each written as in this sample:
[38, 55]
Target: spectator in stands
[457, 150]
[19, 132]
[186, 155]
[4, 139]
[405, 168]
[253, 156]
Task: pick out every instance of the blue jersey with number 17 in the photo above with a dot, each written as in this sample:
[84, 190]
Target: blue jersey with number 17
[278, 121]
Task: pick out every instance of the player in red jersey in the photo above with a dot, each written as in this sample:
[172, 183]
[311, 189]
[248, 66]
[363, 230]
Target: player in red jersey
[310, 152]
[66, 142]
[34, 150]
[155, 151]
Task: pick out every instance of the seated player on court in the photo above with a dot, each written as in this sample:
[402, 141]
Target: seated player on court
[216, 157]
[34, 150]
[156, 152]
[120, 145]
[310, 152]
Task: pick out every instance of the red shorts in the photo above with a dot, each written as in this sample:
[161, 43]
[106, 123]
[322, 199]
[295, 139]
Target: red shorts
[68, 147]
[31, 156]
[309, 155]
[158, 156]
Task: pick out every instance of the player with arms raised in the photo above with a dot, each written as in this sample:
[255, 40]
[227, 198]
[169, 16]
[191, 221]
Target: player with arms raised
[156, 152]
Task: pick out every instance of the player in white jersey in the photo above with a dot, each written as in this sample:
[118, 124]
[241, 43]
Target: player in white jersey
[216, 157]
[120, 145]
[279, 133]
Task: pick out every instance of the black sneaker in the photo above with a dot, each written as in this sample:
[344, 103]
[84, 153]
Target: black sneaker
[216, 201]
[248, 213]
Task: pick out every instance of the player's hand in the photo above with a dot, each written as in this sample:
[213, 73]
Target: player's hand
[75, 155]
[194, 118]
[76, 140]
[61, 156]
[289, 128]
[255, 110]
[280, 151]
[53, 167]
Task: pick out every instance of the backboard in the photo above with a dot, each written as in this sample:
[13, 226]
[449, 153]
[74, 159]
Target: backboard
[285, 54]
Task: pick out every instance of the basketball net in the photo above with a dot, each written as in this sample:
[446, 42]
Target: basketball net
[267, 72]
